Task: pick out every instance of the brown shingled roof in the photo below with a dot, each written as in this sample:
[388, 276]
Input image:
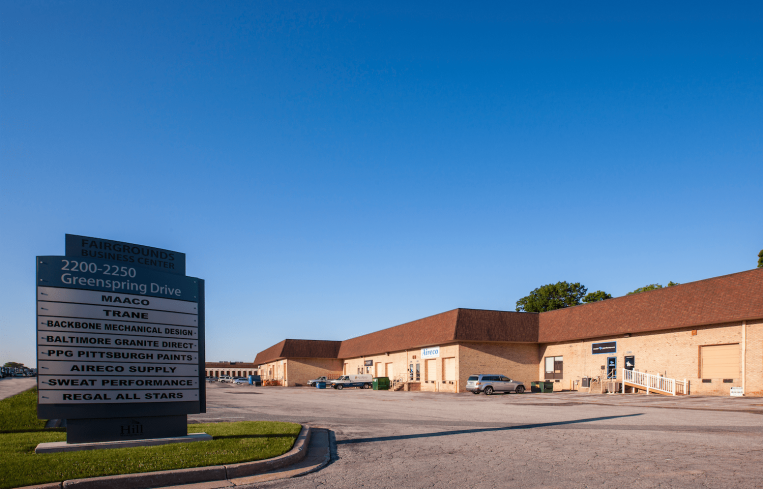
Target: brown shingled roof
[299, 349]
[447, 327]
[729, 298]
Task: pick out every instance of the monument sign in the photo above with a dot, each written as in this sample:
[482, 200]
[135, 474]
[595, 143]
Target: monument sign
[120, 344]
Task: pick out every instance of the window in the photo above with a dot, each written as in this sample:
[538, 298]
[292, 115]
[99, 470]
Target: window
[410, 372]
[418, 372]
[553, 366]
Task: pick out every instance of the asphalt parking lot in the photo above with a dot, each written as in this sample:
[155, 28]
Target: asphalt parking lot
[413, 439]
[10, 386]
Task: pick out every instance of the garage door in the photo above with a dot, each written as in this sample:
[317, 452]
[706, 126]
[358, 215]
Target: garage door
[389, 370]
[432, 370]
[449, 368]
[380, 370]
[720, 362]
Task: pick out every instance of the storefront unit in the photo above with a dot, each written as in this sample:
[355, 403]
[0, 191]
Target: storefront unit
[712, 358]
[295, 362]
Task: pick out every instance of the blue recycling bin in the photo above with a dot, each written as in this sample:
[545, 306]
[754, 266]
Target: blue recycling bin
[320, 385]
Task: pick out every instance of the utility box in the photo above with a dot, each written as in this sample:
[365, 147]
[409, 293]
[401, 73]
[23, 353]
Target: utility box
[381, 383]
[586, 382]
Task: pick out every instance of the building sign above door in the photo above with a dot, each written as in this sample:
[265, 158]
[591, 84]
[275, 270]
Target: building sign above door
[433, 352]
[608, 347]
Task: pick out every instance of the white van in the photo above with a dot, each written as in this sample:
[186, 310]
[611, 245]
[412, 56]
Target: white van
[363, 381]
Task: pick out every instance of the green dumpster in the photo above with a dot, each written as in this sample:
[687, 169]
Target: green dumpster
[381, 383]
[546, 386]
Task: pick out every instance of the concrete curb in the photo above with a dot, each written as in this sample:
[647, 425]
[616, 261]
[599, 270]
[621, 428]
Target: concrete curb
[296, 454]
[189, 476]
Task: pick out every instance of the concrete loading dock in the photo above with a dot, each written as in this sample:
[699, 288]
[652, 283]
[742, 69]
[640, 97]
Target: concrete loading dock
[708, 332]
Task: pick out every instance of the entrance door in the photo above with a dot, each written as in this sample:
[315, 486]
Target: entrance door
[611, 367]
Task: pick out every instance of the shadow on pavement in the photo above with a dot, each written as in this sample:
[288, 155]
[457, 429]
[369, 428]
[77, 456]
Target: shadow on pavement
[482, 430]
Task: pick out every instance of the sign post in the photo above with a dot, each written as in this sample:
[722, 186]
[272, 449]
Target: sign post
[120, 341]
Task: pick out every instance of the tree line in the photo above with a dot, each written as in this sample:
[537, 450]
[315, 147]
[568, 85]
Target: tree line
[563, 294]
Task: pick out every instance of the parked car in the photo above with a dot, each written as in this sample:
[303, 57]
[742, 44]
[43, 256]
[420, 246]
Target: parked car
[312, 383]
[240, 380]
[225, 378]
[488, 384]
[363, 381]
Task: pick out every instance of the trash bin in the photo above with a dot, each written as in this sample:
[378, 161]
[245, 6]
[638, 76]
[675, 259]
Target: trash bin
[543, 386]
[381, 383]
[320, 385]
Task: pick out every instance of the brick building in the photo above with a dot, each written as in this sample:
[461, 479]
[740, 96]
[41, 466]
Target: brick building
[232, 369]
[294, 362]
[708, 332]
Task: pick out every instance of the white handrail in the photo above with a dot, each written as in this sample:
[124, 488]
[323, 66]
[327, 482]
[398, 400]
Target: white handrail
[655, 382]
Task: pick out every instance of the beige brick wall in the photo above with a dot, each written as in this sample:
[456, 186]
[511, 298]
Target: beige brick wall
[672, 353]
[754, 356]
[301, 370]
[401, 362]
[272, 370]
[518, 361]
[397, 360]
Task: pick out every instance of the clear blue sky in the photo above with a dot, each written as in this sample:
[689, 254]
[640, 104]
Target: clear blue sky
[335, 169]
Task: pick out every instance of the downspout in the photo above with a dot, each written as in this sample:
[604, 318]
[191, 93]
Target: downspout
[744, 357]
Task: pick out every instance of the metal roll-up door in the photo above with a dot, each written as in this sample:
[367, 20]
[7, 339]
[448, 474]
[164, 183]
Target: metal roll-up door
[432, 370]
[720, 362]
[449, 369]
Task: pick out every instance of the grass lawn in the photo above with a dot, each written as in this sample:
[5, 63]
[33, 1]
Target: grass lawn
[19, 413]
[233, 443]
